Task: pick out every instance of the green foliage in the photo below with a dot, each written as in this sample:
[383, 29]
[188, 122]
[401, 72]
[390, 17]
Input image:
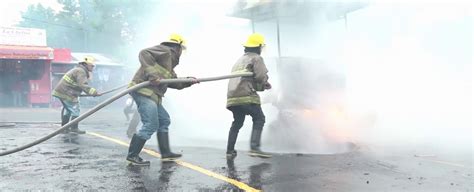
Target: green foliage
[103, 26]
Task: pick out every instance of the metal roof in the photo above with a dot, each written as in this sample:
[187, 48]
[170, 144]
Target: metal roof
[100, 59]
[262, 10]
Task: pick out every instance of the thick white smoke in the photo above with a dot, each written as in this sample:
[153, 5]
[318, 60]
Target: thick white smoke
[410, 64]
[407, 70]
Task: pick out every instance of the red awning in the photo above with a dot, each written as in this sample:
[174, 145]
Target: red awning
[25, 52]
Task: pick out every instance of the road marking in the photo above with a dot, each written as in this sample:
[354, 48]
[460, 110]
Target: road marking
[182, 163]
[446, 163]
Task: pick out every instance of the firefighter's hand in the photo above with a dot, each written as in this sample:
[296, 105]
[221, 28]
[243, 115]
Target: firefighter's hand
[194, 80]
[267, 85]
[96, 94]
[155, 82]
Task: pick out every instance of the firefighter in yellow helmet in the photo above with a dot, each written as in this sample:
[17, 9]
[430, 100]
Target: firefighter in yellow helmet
[242, 96]
[73, 83]
[157, 62]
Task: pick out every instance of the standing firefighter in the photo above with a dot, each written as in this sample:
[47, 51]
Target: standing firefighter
[157, 63]
[242, 96]
[73, 83]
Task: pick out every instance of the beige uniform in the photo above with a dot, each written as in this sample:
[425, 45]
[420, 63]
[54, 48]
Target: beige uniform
[243, 90]
[157, 62]
[73, 83]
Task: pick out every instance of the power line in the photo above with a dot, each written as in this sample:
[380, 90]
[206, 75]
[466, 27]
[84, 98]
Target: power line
[49, 23]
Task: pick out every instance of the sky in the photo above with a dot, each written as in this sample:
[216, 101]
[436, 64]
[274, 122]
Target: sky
[11, 9]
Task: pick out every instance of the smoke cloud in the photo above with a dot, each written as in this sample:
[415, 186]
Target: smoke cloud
[386, 75]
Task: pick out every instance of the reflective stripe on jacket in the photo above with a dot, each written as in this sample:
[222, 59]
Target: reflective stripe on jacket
[156, 62]
[243, 90]
[73, 83]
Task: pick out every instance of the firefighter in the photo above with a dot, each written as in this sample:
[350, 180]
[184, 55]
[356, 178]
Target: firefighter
[242, 96]
[157, 62]
[73, 83]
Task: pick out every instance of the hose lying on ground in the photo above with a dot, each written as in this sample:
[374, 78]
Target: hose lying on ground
[115, 97]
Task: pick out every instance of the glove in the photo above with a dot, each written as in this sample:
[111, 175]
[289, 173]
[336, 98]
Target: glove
[267, 85]
[96, 94]
[194, 80]
[155, 82]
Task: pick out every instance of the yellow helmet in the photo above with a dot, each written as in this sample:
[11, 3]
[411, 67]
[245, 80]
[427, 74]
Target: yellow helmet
[89, 60]
[177, 39]
[255, 40]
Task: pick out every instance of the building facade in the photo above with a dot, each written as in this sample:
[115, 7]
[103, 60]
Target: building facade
[29, 69]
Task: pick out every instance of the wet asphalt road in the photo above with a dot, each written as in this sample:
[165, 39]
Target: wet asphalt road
[87, 162]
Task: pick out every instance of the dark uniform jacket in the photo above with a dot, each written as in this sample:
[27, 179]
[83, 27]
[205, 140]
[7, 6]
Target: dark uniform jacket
[157, 62]
[73, 83]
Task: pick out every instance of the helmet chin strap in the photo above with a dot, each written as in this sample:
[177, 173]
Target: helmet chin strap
[87, 67]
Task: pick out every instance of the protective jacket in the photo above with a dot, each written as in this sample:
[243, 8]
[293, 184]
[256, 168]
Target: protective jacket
[73, 83]
[157, 62]
[243, 90]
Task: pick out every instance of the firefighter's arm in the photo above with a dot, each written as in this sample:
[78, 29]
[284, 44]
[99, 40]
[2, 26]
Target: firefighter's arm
[182, 85]
[147, 61]
[81, 79]
[260, 74]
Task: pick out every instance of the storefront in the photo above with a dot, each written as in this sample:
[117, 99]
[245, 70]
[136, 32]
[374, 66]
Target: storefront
[25, 63]
[29, 70]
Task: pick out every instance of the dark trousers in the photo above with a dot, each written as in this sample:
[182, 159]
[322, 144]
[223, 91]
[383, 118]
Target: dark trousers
[239, 112]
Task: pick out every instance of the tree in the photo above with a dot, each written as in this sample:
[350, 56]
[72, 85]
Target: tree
[104, 26]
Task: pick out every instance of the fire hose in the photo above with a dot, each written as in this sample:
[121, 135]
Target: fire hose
[115, 97]
[105, 92]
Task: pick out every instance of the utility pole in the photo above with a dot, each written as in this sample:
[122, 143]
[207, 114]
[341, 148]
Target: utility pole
[84, 26]
[278, 36]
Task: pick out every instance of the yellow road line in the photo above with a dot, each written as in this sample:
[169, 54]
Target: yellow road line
[182, 163]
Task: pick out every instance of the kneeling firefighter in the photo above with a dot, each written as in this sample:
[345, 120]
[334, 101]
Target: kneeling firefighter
[157, 62]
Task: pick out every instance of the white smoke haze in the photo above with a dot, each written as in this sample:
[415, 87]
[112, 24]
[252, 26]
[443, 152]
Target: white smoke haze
[405, 68]
[198, 114]
[413, 71]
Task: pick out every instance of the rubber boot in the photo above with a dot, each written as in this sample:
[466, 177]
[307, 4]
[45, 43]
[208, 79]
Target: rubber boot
[255, 145]
[164, 145]
[232, 138]
[75, 127]
[64, 121]
[136, 146]
[231, 154]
